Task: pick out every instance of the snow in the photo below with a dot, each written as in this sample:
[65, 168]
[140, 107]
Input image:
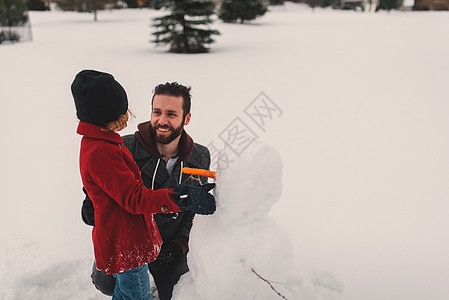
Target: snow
[361, 129]
[244, 239]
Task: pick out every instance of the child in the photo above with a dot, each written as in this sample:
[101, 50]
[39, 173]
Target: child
[125, 235]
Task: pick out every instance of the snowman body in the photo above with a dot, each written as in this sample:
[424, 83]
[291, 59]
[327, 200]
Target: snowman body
[240, 252]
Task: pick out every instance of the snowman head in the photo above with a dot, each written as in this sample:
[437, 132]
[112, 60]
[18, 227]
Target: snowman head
[251, 184]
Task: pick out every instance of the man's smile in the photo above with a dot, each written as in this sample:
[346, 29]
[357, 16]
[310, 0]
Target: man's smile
[163, 129]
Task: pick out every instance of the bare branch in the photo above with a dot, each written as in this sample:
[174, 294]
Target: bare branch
[269, 283]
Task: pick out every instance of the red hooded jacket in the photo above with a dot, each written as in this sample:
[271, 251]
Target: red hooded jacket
[125, 235]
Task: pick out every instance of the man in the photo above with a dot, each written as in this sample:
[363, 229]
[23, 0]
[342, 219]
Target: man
[160, 148]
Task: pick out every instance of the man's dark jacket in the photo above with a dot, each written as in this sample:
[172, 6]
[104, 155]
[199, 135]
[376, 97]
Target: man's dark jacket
[172, 227]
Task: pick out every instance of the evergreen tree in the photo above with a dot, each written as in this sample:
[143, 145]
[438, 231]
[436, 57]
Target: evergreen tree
[319, 3]
[12, 13]
[134, 3]
[155, 4]
[243, 10]
[92, 6]
[312, 3]
[37, 5]
[389, 4]
[185, 28]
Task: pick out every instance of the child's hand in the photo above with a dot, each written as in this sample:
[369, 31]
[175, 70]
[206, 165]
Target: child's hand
[197, 199]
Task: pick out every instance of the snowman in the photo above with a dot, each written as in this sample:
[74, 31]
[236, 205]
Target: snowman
[240, 252]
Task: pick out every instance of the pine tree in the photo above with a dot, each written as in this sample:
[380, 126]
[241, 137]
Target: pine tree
[12, 13]
[185, 28]
[389, 4]
[276, 2]
[243, 10]
[91, 6]
[37, 5]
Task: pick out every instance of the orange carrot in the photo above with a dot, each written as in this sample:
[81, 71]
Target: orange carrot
[201, 172]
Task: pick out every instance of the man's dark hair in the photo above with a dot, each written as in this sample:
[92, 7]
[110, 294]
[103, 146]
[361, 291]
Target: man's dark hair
[176, 90]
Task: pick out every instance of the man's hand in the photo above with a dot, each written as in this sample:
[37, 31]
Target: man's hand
[195, 198]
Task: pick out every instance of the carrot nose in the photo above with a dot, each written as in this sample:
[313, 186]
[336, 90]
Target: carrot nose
[201, 172]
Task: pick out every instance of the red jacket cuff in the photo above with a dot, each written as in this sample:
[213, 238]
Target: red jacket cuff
[166, 202]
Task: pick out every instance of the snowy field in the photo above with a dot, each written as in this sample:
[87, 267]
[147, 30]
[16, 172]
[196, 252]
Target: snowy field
[360, 119]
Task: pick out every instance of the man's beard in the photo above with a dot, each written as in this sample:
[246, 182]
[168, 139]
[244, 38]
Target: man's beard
[175, 132]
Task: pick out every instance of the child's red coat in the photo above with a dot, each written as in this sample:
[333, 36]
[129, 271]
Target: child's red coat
[125, 235]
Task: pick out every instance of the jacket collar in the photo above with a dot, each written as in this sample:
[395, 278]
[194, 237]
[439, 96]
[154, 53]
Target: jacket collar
[146, 139]
[97, 132]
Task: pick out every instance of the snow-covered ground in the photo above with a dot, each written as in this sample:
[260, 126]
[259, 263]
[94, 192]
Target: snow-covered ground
[359, 104]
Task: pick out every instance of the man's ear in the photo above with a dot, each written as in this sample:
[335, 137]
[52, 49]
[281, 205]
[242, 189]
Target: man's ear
[187, 119]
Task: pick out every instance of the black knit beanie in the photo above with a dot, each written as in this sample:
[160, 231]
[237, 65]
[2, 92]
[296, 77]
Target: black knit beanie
[99, 98]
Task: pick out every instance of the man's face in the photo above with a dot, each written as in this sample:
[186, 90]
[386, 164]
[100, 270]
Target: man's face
[167, 121]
